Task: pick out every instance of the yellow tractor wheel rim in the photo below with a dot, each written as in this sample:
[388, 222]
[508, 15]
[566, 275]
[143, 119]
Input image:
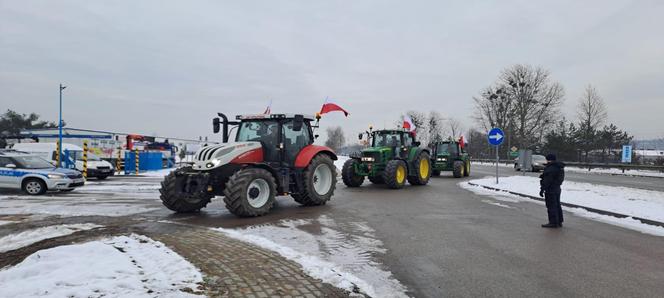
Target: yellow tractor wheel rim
[424, 168]
[401, 174]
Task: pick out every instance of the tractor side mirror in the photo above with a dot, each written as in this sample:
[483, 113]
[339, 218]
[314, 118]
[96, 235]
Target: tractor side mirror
[316, 136]
[359, 136]
[10, 166]
[298, 122]
[417, 143]
[216, 126]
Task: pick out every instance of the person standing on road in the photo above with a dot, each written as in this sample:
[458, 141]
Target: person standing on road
[550, 181]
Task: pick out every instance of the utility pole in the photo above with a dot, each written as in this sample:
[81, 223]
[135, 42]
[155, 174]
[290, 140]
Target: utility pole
[60, 129]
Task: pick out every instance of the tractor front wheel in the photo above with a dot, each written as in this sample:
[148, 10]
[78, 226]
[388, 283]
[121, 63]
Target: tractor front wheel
[250, 192]
[175, 199]
[458, 169]
[320, 180]
[466, 173]
[348, 175]
[422, 165]
[395, 174]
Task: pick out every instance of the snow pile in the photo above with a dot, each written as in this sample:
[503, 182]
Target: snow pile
[134, 266]
[22, 239]
[343, 259]
[629, 201]
[614, 171]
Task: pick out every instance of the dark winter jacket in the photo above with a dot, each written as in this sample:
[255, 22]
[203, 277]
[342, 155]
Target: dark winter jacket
[553, 176]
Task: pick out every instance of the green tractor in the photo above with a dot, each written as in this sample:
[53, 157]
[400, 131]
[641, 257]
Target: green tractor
[450, 156]
[393, 158]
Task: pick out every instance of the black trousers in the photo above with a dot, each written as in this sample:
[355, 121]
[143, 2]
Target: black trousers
[553, 207]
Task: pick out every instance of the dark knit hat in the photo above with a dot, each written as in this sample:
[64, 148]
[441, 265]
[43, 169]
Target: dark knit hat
[551, 157]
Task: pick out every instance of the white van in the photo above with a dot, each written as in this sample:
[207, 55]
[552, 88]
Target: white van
[96, 167]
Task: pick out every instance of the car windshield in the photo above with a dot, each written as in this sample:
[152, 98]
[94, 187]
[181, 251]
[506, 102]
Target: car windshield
[539, 158]
[33, 162]
[260, 131]
[78, 155]
[387, 139]
[446, 148]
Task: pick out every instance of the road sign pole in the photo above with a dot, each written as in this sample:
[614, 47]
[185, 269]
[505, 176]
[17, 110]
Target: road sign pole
[497, 159]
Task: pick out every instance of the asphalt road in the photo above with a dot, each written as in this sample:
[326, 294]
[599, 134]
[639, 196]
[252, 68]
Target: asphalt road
[649, 183]
[445, 241]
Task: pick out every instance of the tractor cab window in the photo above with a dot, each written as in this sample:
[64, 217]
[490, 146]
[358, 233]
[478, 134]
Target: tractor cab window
[408, 140]
[294, 141]
[387, 139]
[265, 132]
[447, 148]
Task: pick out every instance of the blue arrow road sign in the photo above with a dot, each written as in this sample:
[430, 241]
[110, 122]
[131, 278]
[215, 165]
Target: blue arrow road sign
[496, 136]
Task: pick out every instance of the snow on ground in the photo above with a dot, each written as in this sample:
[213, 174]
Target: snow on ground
[342, 254]
[642, 173]
[22, 239]
[125, 266]
[628, 201]
[6, 222]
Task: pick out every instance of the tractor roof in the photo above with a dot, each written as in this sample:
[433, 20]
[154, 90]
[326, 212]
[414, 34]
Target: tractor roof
[272, 116]
[389, 131]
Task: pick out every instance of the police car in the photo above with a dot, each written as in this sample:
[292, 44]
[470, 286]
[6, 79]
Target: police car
[35, 175]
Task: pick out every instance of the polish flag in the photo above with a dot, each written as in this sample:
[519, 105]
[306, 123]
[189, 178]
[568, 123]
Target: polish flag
[268, 110]
[331, 107]
[408, 123]
[462, 142]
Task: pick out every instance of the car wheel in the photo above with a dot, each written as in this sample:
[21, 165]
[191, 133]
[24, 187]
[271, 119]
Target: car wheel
[34, 187]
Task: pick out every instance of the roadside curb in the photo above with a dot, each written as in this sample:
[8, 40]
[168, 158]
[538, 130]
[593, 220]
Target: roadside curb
[599, 211]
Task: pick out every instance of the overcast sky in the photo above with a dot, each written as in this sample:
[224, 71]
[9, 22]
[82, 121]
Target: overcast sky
[167, 67]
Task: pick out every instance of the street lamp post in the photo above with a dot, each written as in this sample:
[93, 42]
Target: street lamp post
[60, 129]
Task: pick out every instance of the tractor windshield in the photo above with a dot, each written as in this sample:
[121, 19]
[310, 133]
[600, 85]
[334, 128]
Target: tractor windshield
[266, 132]
[447, 149]
[387, 139]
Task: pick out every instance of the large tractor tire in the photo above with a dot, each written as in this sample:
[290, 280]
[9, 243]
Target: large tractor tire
[435, 173]
[378, 179]
[458, 169]
[178, 201]
[466, 172]
[348, 175]
[422, 170]
[320, 180]
[395, 174]
[250, 192]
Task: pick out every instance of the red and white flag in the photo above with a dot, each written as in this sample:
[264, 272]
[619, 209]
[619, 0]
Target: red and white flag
[331, 107]
[408, 123]
[462, 142]
[268, 110]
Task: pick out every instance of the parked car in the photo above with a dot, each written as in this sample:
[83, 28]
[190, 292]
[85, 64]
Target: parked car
[97, 168]
[538, 162]
[35, 175]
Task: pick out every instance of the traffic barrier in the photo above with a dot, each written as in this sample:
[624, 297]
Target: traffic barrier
[117, 161]
[85, 159]
[137, 158]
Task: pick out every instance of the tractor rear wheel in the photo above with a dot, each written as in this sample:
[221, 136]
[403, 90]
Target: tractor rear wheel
[320, 180]
[348, 175]
[174, 199]
[466, 172]
[458, 169]
[422, 170]
[395, 174]
[378, 179]
[250, 192]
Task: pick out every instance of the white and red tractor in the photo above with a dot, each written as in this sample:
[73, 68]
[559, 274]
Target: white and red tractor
[272, 155]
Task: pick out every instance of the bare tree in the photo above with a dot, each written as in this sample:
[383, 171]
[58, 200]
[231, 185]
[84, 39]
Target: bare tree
[455, 127]
[435, 127]
[592, 115]
[335, 137]
[524, 102]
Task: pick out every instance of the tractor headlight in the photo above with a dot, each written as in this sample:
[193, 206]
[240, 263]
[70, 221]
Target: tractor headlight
[441, 159]
[368, 159]
[213, 163]
[56, 176]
